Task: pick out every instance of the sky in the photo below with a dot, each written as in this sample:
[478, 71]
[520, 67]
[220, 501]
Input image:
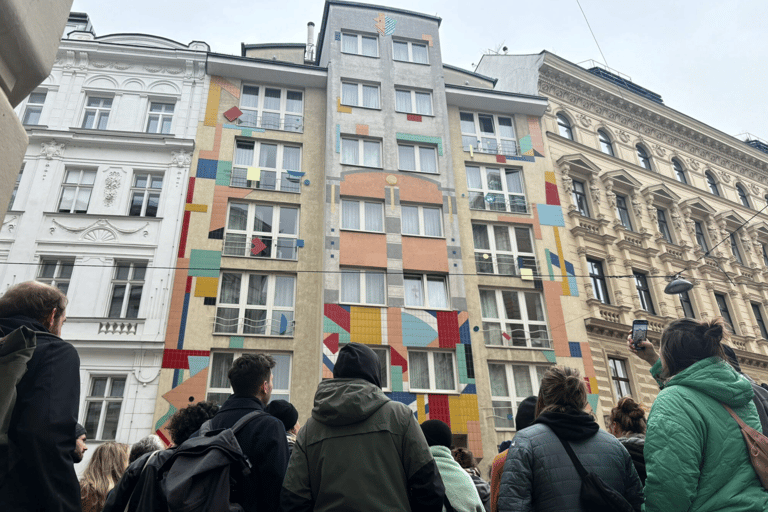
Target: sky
[705, 58]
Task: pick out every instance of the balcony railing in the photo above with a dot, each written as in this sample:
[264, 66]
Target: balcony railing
[497, 202]
[290, 181]
[272, 121]
[489, 146]
[238, 244]
[255, 322]
[534, 337]
[504, 264]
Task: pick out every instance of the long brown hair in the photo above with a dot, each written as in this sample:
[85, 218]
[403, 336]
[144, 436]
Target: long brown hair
[685, 342]
[107, 465]
[561, 390]
[629, 416]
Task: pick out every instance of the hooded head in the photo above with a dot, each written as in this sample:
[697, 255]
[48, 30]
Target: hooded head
[285, 412]
[437, 433]
[526, 413]
[357, 361]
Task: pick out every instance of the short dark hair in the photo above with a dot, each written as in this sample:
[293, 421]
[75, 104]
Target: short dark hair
[188, 420]
[145, 445]
[34, 300]
[685, 342]
[249, 372]
[464, 457]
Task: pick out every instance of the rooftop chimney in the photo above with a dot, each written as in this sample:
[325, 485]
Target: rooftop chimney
[310, 53]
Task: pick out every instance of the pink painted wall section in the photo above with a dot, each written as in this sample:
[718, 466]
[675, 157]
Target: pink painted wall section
[363, 249]
[374, 184]
[552, 292]
[368, 184]
[177, 303]
[427, 254]
[533, 222]
[417, 190]
[221, 196]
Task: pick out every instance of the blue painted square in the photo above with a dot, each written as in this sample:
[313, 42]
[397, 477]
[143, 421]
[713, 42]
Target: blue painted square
[554, 259]
[337, 36]
[575, 348]
[471, 389]
[402, 397]
[550, 215]
[464, 336]
[347, 308]
[573, 286]
[183, 324]
[206, 168]
[569, 268]
[327, 362]
[299, 243]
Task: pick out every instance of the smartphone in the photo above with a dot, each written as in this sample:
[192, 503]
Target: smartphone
[639, 333]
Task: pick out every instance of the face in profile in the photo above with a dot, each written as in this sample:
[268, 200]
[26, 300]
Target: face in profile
[80, 449]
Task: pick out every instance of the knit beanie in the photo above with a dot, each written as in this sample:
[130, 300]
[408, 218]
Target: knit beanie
[285, 412]
[80, 431]
[525, 413]
[437, 433]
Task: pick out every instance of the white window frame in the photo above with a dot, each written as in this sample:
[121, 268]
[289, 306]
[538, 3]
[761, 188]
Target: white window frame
[502, 260]
[16, 185]
[512, 202]
[147, 193]
[60, 264]
[484, 141]
[161, 117]
[425, 278]
[237, 242]
[414, 103]
[417, 155]
[616, 379]
[279, 180]
[360, 38]
[496, 339]
[361, 206]
[100, 111]
[130, 283]
[254, 116]
[385, 365]
[359, 100]
[98, 434]
[362, 284]
[278, 393]
[361, 152]
[410, 44]
[513, 398]
[273, 312]
[422, 224]
[78, 187]
[433, 389]
[34, 107]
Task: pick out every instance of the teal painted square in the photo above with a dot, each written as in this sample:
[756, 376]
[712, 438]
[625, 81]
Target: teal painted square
[525, 144]
[165, 417]
[550, 215]
[329, 326]
[549, 264]
[246, 133]
[224, 173]
[197, 364]
[204, 263]
[593, 399]
[236, 342]
[396, 376]
[573, 286]
[550, 355]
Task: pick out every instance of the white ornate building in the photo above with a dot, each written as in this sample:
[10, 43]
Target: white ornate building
[98, 207]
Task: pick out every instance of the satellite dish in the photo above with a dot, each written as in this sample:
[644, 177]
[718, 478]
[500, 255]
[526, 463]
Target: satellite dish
[678, 285]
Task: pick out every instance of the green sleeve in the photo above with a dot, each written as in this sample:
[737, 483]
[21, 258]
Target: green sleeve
[656, 373]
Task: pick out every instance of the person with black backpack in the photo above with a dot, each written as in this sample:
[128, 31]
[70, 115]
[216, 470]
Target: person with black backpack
[564, 461]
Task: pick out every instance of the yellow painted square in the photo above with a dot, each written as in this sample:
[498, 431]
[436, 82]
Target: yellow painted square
[206, 286]
[593, 385]
[365, 325]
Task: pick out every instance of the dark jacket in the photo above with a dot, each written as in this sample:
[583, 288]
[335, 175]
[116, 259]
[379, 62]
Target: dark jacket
[361, 451]
[263, 442]
[41, 473]
[141, 475]
[539, 475]
[634, 443]
[483, 487]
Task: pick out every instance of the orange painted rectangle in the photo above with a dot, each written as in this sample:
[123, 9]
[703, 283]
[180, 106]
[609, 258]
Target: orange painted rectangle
[552, 292]
[364, 184]
[363, 249]
[427, 254]
[177, 303]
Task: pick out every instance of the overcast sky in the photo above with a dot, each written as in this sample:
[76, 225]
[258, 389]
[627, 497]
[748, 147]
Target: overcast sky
[706, 58]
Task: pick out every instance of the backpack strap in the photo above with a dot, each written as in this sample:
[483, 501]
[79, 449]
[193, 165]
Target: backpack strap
[205, 428]
[576, 462]
[245, 420]
[741, 423]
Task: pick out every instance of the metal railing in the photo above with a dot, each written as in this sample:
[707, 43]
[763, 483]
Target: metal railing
[272, 121]
[290, 181]
[489, 146]
[533, 337]
[497, 202]
[278, 325]
[238, 244]
[504, 264]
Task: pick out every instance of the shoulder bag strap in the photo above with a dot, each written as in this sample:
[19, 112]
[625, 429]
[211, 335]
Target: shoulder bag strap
[205, 428]
[741, 423]
[574, 459]
[245, 420]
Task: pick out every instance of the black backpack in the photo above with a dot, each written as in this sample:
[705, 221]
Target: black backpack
[202, 472]
[596, 495]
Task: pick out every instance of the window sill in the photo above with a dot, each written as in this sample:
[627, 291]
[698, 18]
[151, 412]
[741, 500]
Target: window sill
[518, 348]
[424, 236]
[360, 304]
[526, 212]
[284, 336]
[419, 172]
[267, 189]
[378, 167]
[361, 55]
[414, 113]
[434, 392]
[361, 106]
[411, 62]
[363, 231]
[425, 308]
[258, 258]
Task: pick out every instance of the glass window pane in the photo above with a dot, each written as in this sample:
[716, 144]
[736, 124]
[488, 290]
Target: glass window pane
[268, 156]
[407, 157]
[488, 304]
[250, 97]
[350, 214]
[294, 102]
[438, 297]
[88, 178]
[486, 123]
[444, 371]
[418, 363]
[139, 270]
[533, 305]
[511, 305]
[349, 43]
[432, 224]
[289, 221]
[501, 237]
[111, 420]
[272, 99]
[349, 151]
[230, 288]
[92, 416]
[523, 240]
[48, 268]
[480, 237]
[400, 51]
[220, 365]
[414, 291]
[372, 153]
[350, 286]
[428, 160]
[523, 387]
[403, 101]
[284, 291]
[226, 320]
[374, 220]
[370, 46]
[494, 179]
[281, 372]
[410, 219]
[238, 216]
[88, 120]
[498, 374]
[467, 122]
[423, 103]
[374, 288]
[514, 185]
[257, 290]
[505, 128]
[262, 220]
[370, 96]
[134, 301]
[419, 53]
[65, 269]
[473, 178]
[244, 153]
[99, 387]
[117, 388]
[349, 94]
[291, 158]
[116, 304]
[255, 321]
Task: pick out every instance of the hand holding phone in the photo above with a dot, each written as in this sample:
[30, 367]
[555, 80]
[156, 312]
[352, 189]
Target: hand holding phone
[639, 333]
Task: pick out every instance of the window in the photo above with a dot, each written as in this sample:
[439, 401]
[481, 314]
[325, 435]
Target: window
[687, 305]
[160, 117]
[417, 158]
[661, 217]
[487, 133]
[735, 248]
[360, 45]
[219, 387]
[260, 164]
[76, 191]
[679, 171]
[701, 238]
[580, 197]
[272, 108]
[56, 272]
[712, 184]
[742, 196]
[406, 51]
[145, 195]
[642, 156]
[503, 250]
[97, 113]
[722, 305]
[426, 291]
[361, 152]
[765, 254]
[360, 287]
[127, 286]
[16, 188]
[413, 102]
[514, 318]
[383, 354]
[606, 146]
[759, 320]
[510, 385]
[359, 95]
[644, 293]
[262, 231]
[34, 108]
[496, 189]
[102, 407]
[255, 304]
[623, 211]
[619, 377]
[599, 284]
[362, 215]
[431, 371]
[564, 126]
[421, 221]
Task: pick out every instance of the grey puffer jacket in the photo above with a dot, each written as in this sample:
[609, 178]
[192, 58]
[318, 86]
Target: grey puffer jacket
[538, 474]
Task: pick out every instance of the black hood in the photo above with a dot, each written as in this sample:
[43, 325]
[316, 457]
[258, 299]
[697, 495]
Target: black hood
[571, 426]
[731, 358]
[357, 361]
[11, 323]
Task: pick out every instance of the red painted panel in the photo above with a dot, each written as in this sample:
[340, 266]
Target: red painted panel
[177, 359]
[338, 315]
[553, 196]
[414, 117]
[332, 342]
[184, 233]
[189, 285]
[397, 359]
[438, 408]
[448, 329]
[191, 190]
[501, 159]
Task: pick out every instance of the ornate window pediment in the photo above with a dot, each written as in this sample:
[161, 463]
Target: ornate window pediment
[661, 193]
[698, 207]
[621, 179]
[580, 164]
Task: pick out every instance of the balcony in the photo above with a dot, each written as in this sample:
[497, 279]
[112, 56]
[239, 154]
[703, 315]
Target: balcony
[290, 181]
[516, 336]
[255, 322]
[497, 202]
[272, 121]
[505, 264]
[238, 244]
[489, 146]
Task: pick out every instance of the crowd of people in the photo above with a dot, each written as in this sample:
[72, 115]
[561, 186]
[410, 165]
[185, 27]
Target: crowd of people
[360, 450]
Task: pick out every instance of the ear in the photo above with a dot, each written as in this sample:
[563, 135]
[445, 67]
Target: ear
[49, 319]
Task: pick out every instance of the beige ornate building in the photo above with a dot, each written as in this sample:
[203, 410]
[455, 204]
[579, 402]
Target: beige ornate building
[648, 193]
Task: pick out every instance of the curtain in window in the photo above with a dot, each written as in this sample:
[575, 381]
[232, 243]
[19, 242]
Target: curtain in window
[523, 240]
[523, 387]
[403, 101]
[349, 43]
[432, 225]
[227, 320]
[501, 237]
[419, 53]
[444, 370]
[410, 219]
[220, 366]
[238, 216]
[370, 96]
[291, 158]
[370, 47]
[511, 305]
[374, 288]
[349, 151]
[514, 185]
[494, 179]
[372, 152]
[473, 178]
[349, 94]
[505, 128]
[414, 292]
[281, 372]
[418, 363]
[467, 122]
[257, 290]
[350, 286]
[407, 156]
[438, 297]
[350, 215]
[250, 97]
[284, 291]
[268, 156]
[480, 237]
[423, 103]
[488, 304]
[230, 289]
[373, 217]
[294, 102]
[272, 99]
[498, 374]
[533, 306]
[428, 160]
[400, 51]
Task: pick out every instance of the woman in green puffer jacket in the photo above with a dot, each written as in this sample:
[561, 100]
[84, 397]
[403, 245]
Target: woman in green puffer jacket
[695, 455]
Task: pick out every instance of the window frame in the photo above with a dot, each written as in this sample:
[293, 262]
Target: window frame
[564, 125]
[663, 225]
[625, 216]
[735, 249]
[147, 193]
[360, 38]
[712, 184]
[277, 238]
[759, 320]
[410, 44]
[56, 280]
[679, 171]
[79, 186]
[605, 141]
[504, 322]
[162, 116]
[687, 300]
[361, 94]
[644, 293]
[644, 157]
[361, 152]
[99, 112]
[277, 393]
[433, 389]
[513, 257]
[255, 116]
[362, 286]
[422, 221]
[721, 301]
[130, 284]
[15, 191]
[282, 180]
[362, 215]
[98, 433]
[504, 145]
[701, 235]
[581, 198]
[417, 156]
[617, 380]
[414, 103]
[384, 365]
[598, 280]
[31, 108]
[535, 373]
[424, 290]
[743, 196]
[272, 311]
[484, 192]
